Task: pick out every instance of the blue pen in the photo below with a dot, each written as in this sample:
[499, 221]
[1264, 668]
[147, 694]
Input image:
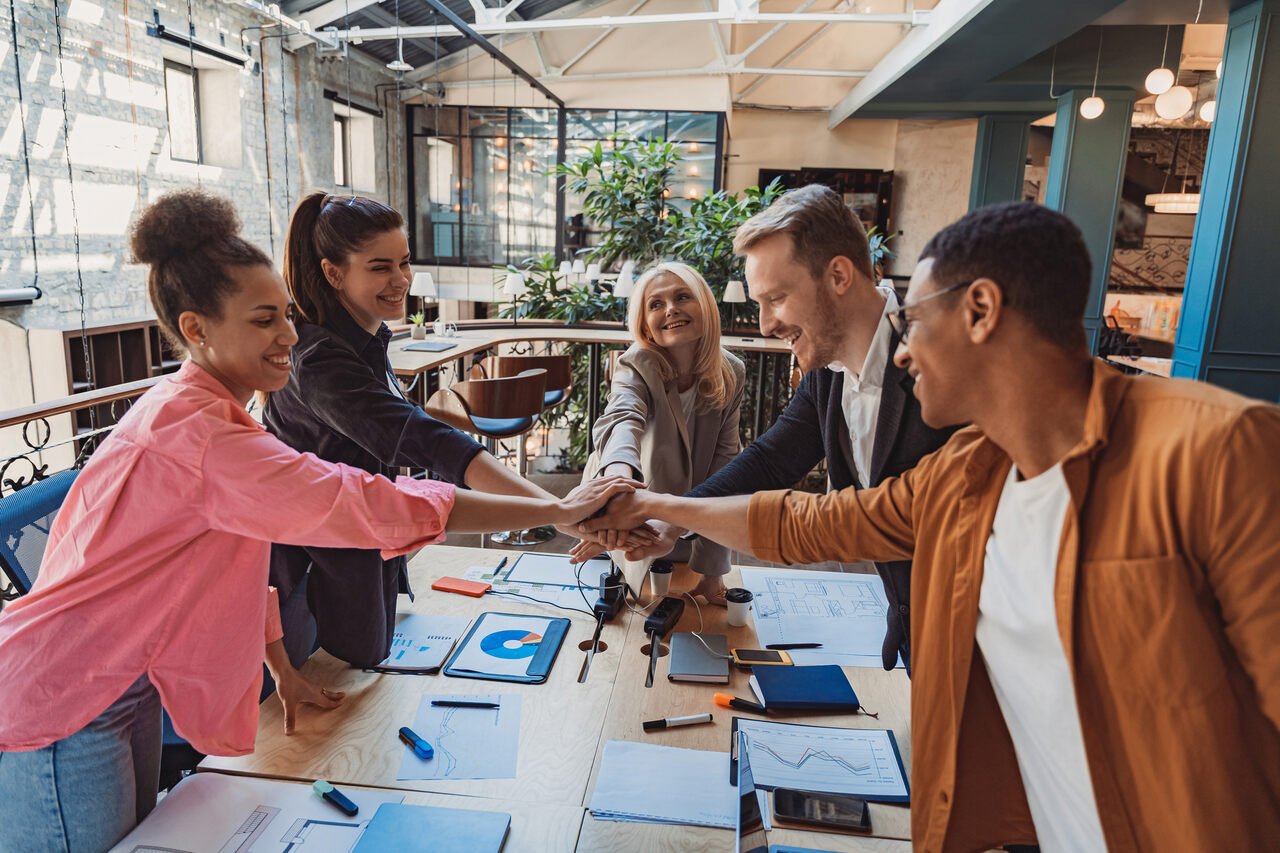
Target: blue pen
[421, 748]
[336, 797]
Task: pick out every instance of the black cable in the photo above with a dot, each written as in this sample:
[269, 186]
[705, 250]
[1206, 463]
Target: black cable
[26, 156]
[75, 218]
[548, 603]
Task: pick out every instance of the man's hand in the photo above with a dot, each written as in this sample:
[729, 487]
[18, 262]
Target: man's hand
[664, 539]
[295, 690]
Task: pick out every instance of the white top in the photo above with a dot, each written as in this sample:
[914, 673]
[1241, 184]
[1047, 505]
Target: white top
[1018, 636]
[688, 402]
[860, 397]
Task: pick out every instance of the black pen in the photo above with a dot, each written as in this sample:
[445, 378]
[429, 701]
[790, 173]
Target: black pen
[783, 647]
[461, 703]
[501, 563]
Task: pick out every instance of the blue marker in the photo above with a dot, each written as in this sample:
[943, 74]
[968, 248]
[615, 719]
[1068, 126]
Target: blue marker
[336, 797]
[421, 748]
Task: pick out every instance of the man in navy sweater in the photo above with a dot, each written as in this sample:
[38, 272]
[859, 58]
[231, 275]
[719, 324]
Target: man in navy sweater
[809, 268]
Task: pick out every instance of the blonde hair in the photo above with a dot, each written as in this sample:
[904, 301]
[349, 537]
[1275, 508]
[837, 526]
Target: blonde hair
[713, 373]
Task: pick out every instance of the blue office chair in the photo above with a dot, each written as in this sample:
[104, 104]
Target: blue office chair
[26, 517]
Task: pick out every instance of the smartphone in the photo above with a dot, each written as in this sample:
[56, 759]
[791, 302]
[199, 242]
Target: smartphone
[461, 585]
[761, 657]
[832, 811]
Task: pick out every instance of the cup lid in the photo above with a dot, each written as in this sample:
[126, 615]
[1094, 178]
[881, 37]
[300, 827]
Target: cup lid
[737, 595]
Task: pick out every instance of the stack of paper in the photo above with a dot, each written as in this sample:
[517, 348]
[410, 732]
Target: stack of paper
[643, 783]
[421, 642]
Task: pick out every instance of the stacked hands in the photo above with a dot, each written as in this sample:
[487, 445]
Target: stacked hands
[609, 514]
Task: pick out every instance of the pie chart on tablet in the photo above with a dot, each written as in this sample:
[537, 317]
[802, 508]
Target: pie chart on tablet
[511, 644]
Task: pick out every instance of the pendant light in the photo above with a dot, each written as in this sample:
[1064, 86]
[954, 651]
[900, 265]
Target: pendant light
[1092, 106]
[1175, 103]
[1160, 79]
[1179, 202]
[398, 64]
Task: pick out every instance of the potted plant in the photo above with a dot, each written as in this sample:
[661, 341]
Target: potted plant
[419, 331]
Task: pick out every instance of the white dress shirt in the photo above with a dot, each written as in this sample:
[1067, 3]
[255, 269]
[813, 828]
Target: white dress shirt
[860, 397]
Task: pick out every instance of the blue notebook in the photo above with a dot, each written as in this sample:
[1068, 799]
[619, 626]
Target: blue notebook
[398, 827]
[803, 688]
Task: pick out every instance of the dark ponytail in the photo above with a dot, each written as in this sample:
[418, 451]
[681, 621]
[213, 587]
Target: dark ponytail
[190, 238]
[332, 227]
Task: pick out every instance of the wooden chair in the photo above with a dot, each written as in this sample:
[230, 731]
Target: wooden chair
[559, 370]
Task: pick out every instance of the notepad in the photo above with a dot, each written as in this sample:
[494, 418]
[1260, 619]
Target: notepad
[804, 688]
[429, 346]
[396, 826]
[690, 660]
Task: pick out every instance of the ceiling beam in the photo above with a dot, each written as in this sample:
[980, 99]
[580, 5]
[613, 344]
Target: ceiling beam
[947, 18]
[713, 70]
[917, 19]
[595, 42]
[335, 10]
[787, 57]
[773, 31]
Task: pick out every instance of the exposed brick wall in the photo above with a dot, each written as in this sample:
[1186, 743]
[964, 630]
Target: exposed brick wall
[120, 149]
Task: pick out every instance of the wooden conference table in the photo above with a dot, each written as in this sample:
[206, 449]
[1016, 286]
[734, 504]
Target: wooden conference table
[564, 727]
[471, 339]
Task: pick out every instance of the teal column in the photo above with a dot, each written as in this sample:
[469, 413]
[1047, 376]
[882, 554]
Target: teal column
[999, 159]
[1086, 174]
[1229, 333]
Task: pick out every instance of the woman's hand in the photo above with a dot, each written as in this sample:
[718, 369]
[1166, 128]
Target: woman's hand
[590, 496]
[295, 690]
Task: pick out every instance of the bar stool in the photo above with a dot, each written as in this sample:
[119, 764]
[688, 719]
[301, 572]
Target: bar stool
[559, 369]
[491, 408]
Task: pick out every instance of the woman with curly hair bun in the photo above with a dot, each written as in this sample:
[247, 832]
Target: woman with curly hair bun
[153, 589]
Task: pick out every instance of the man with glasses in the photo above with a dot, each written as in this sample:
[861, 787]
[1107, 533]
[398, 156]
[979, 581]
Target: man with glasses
[1096, 569]
[808, 266]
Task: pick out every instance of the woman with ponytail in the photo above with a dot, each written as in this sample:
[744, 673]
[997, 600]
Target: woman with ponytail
[153, 588]
[347, 269]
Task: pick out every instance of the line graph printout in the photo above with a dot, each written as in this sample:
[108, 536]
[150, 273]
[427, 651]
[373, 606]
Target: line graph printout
[469, 743]
[861, 762]
[843, 612]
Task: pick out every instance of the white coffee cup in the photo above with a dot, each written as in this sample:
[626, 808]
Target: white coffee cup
[660, 578]
[739, 603]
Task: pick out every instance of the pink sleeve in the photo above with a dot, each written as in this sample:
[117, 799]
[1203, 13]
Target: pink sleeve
[273, 629]
[259, 487]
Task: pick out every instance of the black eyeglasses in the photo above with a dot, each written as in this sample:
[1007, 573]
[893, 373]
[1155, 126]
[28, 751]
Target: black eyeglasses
[898, 318]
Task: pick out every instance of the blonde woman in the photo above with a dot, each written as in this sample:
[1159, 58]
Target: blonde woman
[672, 418]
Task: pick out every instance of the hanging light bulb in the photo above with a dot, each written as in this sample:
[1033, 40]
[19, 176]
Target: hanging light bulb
[1208, 111]
[1091, 107]
[1174, 103]
[1160, 79]
[398, 64]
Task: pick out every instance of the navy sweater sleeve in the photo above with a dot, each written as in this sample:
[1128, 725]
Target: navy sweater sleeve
[346, 396]
[778, 459]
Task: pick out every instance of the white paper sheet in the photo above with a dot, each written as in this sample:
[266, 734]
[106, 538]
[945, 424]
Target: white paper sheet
[555, 569]
[469, 743]
[843, 612]
[221, 813]
[663, 784]
[860, 762]
[552, 595]
[502, 645]
[423, 641]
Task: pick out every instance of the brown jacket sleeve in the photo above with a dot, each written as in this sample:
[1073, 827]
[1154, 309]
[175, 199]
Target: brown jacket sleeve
[847, 526]
[1243, 560]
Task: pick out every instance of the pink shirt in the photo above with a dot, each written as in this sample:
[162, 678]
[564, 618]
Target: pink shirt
[157, 563]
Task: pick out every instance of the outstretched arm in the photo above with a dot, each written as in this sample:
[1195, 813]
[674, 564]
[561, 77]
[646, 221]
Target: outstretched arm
[477, 512]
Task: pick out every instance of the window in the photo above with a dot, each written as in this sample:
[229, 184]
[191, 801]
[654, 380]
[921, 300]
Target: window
[341, 152]
[182, 102]
[480, 187]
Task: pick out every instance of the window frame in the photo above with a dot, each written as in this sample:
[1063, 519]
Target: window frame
[194, 73]
[344, 123]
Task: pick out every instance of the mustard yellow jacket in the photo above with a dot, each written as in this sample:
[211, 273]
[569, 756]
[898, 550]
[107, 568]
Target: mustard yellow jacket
[1168, 603]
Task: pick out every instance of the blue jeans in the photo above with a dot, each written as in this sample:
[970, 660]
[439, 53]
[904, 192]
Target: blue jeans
[88, 790]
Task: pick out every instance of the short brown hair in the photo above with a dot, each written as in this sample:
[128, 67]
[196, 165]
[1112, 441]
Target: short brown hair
[821, 227]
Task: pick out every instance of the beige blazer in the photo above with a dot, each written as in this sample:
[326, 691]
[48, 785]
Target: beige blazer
[644, 426]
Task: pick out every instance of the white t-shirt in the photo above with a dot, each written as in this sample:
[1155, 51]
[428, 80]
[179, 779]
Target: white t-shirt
[1018, 635]
[861, 392]
[688, 403]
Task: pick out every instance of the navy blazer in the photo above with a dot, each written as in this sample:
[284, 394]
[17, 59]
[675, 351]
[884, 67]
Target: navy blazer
[339, 405]
[810, 429]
